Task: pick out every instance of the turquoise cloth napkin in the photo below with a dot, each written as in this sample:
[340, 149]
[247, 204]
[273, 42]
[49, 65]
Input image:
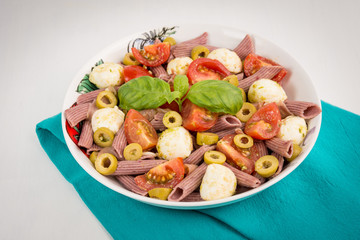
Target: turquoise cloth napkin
[319, 200]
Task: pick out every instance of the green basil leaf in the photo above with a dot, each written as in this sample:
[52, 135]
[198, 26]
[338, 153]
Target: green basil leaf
[172, 96]
[143, 93]
[216, 96]
[181, 84]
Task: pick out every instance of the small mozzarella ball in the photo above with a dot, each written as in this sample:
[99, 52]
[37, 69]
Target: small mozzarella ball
[293, 128]
[174, 142]
[218, 182]
[228, 58]
[179, 65]
[106, 75]
[266, 90]
[111, 118]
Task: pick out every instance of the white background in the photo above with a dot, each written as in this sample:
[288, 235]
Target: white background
[44, 43]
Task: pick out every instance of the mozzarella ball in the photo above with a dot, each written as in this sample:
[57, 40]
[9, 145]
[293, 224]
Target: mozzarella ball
[106, 75]
[179, 65]
[111, 118]
[228, 58]
[218, 182]
[174, 142]
[293, 128]
[266, 90]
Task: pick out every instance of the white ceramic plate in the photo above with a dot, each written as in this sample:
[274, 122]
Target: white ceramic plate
[298, 87]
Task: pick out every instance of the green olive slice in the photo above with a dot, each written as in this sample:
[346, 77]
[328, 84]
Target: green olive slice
[296, 151]
[106, 164]
[103, 137]
[243, 141]
[246, 112]
[133, 152]
[214, 157]
[232, 79]
[172, 119]
[206, 138]
[160, 193]
[199, 51]
[129, 60]
[243, 94]
[170, 40]
[93, 156]
[266, 166]
[106, 99]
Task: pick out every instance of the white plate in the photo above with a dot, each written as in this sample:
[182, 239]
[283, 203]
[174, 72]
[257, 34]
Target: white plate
[298, 87]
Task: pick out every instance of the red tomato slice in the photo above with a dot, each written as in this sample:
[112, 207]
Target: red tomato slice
[206, 69]
[166, 175]
[196, 118]
[233, 156]
[152, 55]
[265, 123]
[131, 72]
[139, 130]
[254, 62]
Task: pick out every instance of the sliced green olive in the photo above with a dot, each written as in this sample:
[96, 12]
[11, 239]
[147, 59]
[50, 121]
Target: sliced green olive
[172, 119]
[214, 157]
[243, 94]
[170, 40]
[232, 79]
[206, 138]
[103, 137]
[129, 59]
[243, 141]
[160, 193]
[246, 112]
[106, 99]
[266, 166]
[93, 156]
[133, 152]
[199, 51]
[106, 164]
[296, 151]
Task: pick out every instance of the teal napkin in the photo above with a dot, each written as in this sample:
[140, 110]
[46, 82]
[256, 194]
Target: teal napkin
[318, 200]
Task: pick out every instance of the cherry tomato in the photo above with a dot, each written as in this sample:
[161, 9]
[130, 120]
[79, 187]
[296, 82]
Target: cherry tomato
[166, 175]
[152, 55]
[131, 72]
[265, 123]
[254, 62]
[196, 118]
[206, 69]
[139, 130]
[234, 156]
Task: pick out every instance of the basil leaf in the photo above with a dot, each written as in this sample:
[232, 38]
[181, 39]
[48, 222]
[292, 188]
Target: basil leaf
[181, 84]
[143, 93]
[172, 96]
[216, 96]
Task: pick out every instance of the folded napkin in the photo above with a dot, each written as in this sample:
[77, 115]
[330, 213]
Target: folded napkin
[318, 200]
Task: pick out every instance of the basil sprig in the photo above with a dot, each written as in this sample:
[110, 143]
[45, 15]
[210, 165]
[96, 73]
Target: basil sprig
[216, 96]
[147, 92]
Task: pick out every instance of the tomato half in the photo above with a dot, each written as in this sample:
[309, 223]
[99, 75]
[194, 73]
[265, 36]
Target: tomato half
[131, 72]
[152, 55]
[166, 175]
[139, 130]
[254, 62]
[206, 69]
[196, 118]
[265, 123]
[234, 156]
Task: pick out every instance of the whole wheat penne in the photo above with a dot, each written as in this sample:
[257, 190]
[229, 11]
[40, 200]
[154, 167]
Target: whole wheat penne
[119, 142]
[129, 183]
[265, 72]
[282, 147]
[196, 156]
[86, 136]
[244, 179]
[306, 110]
[188, 184]
[76, 114]
[245, 47]
[136, 167]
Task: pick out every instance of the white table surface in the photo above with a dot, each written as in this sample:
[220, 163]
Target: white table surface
[44, 43]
